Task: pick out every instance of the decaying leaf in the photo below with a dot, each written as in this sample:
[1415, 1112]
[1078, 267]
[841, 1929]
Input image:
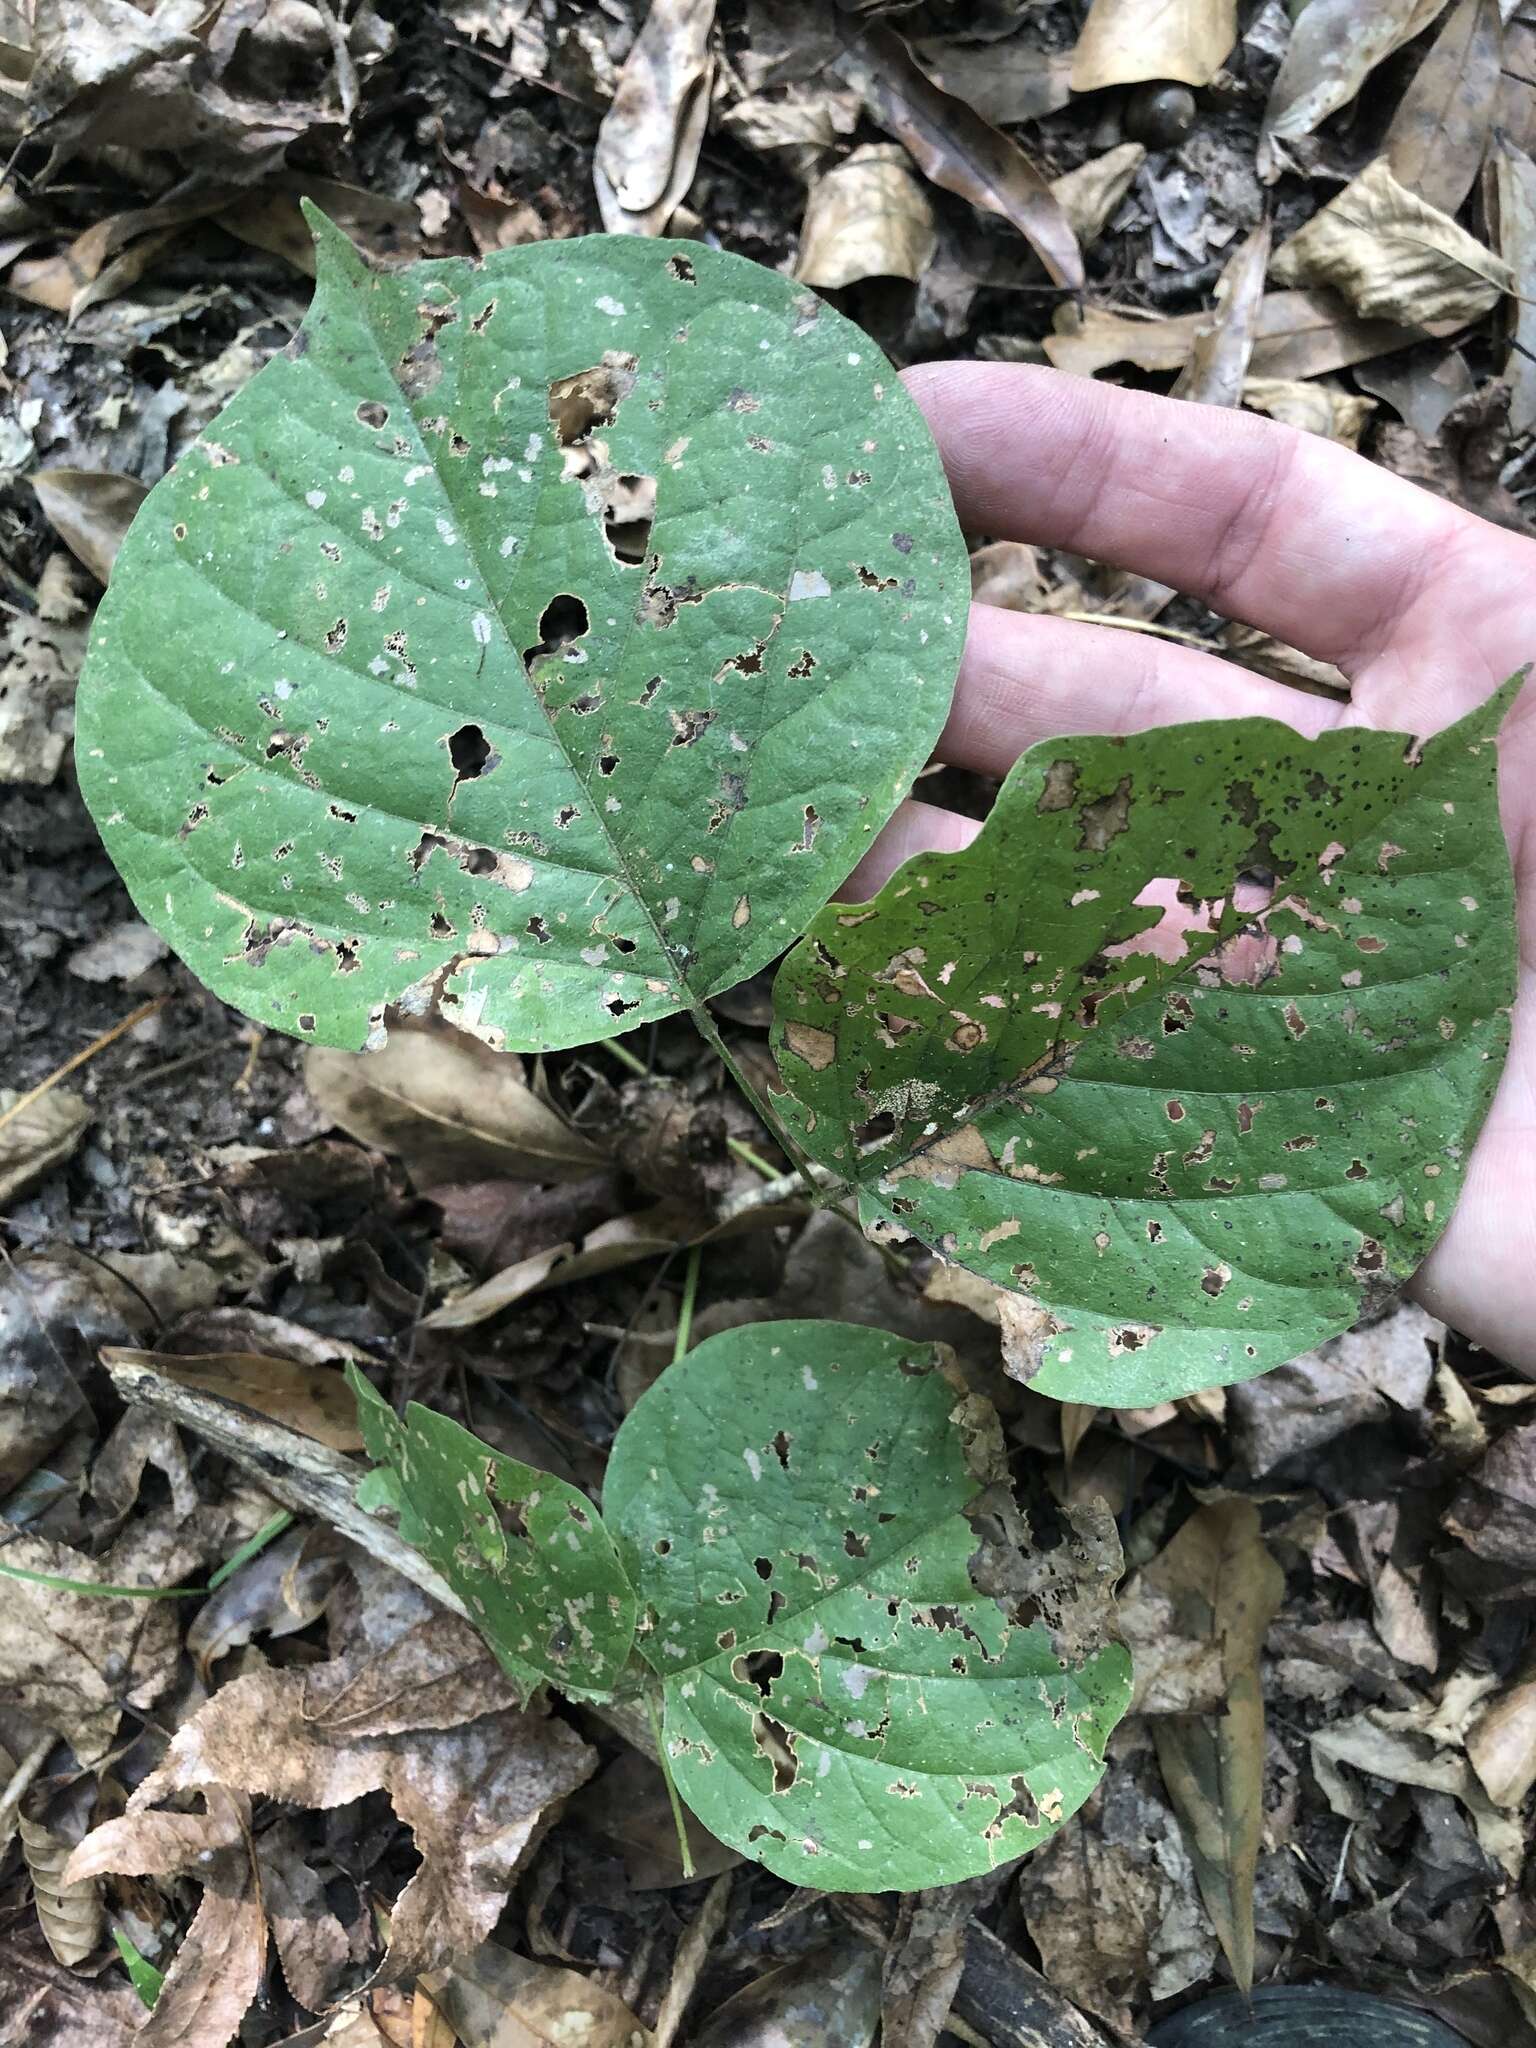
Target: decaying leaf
[39, 661]
[424, 1717]
[1224, 1585]
[1125, 41]
[1376, 1743]
[1334, 47]
[276, 1593]
[827, 1998]
[450, 1108]
[560, 794]
[1223, 346]
[501, 2000]
[1296, 334]
[1009, 80]
[1393, 256]
[526, 1552]
[958, 150]
[90, 510]
[69, 1914]
[1366, 1375]
[1501, 1745]
[1090, 194]
[866, 216]
[1515, 184]
[1438, 135]
[648, 145]
[309, 1398]
[1315, 405]
[1090, 1106]
[36, 1139]
[906, 1728]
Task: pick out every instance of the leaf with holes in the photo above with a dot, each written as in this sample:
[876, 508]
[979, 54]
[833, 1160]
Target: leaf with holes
[526, 1553]
[539, 639]
[1187, 1050]
[840, 1700]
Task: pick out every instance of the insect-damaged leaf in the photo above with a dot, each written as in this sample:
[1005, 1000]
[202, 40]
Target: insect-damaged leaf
[1196, 1138]
[543, 637]
[841, 1702]
[526, 1553]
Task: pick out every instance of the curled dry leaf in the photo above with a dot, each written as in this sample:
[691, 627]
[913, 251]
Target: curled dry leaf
[90, 510]
[867, 216]
[495, 1999]
[958, 150]
[648, 145]
[1007, 81]
[827, 1998]
[1382, 1369]
[276, 1593]
[1225, 1587]
[1387, 1745]
[1334, 47]
[1296, 334]
[621, 1241]
[309, 1398]
[1394, 257]
[1440, 131]
[1316, 406]
[1090, 194]
[1501, 1745]
[429, 1720]
[38, 1138]
[69, 1912]
[1124, 42]
[1515, 185]
[1223, 346]
[449, 1107]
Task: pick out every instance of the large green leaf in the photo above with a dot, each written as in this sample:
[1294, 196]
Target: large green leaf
[526, 1553]
[841, 1702]
[1188, 1168]
[396, 698]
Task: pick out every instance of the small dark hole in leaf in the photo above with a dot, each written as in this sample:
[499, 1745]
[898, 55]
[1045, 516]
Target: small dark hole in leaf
[876, 1128]
[372, 414]
[616, 1006]
[578, 1515]
[1129, 1339]
[590, 398]
[781, 1445]
[882, 1516]
[562, 622]
[336, 638]
[472, 755]
[441, 928]
[680, 268]
[774, 1741]
[662, 1546]
[855, 1544]
[539, 930]
[457, 445]
[726, 1640]
[606, 763]
[627, 517]
[479, 860]
[776, 1603]
[763, 1566]
[306, 1022]
[624, 945]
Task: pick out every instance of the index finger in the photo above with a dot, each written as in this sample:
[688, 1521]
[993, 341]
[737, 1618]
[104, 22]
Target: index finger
[1283, 530]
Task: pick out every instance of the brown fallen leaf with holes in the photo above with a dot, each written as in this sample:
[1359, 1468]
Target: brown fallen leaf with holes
[449, 1107]
[1124, 42]
[1318, 406]
[1394, 257]
[1440, 131]
[648, 144]
[955, 148]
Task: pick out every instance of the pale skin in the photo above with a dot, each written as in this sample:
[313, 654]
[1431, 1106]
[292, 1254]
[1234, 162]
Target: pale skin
[1424, 607]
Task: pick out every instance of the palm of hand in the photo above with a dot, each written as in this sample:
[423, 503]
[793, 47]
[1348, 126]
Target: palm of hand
[1425, 608]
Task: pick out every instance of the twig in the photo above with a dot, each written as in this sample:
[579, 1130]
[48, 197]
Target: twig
[96, 1045]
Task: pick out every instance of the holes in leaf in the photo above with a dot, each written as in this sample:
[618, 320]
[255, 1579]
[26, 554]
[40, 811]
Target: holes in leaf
[539, 930]
[803, 666]
[682, 269]
[855, 1544]
[774, 1741]
[483, 318]
[590, 398]
[763, 1566]
[606, 763]
[372, 414]
[623, 945]
[617, 1007]
[471, 753]
[562, 623]
[306, 1021]
[781, 1444]
[336, 638]
[662, 1546]
[629, 511]
[440, 927]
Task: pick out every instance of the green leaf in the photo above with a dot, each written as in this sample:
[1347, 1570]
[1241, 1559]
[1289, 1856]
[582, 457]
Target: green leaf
[142, 1974]
[526, 1553]
[840, 1701]
[1188, 1169]
[400, 696]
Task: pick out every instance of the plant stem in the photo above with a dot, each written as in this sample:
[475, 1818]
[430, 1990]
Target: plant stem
[753, 1159]
[626, 1058]
[690, 1295]
[704, 1023]
[665, 1761]
[94, 1592]
[252, 1545]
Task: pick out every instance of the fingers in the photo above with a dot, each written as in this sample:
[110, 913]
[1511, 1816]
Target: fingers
[1027, 676]
[916, 828]
[1278, 528]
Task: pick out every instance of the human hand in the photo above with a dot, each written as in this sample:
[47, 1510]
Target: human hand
[1425, 608]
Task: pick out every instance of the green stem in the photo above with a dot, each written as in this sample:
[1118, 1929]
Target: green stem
[95, 1592]
[690, 1295]
[251, 1547]
[750, 1158]
[626, 1058]
[704, 1023]
[665, 1761]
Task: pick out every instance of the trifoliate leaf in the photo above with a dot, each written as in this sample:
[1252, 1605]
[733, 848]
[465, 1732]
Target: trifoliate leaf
[841, 1702]
[541, 638]
[1195, 1135]
[526, 1553]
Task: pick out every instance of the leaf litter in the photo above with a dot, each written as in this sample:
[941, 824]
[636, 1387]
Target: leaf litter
[166, 323]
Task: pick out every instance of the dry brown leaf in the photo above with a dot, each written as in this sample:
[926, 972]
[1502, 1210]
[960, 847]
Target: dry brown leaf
[311, 1943]
[926, 1959]
[808, 122]
[1515, 185]
[69, 1913]
[1090, 194]
[39, 662]
[867, 216]
[1297, 334]
[450, 1107]
[1224, 1586]
[1386, 1745]
[828, 1997]
[1515, 114]
[628, 1809]
[1335, 45]
[1124, 42]
[1316, 407]
[648, 145]
[1438, 135]
[1393, 257]
[1365, 1375]
[38, 1138]
[619, 1242]
[216, 1971]
[427, 1718]
[1006, 573]
[44, 2006]
[1405, 1603]
[309, 1398]
[1501, 1745]
[1007, 81]
[495, 1999]
[276, 1593]
[955, 148]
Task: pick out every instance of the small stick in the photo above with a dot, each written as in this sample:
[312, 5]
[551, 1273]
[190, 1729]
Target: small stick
[24, 1102]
